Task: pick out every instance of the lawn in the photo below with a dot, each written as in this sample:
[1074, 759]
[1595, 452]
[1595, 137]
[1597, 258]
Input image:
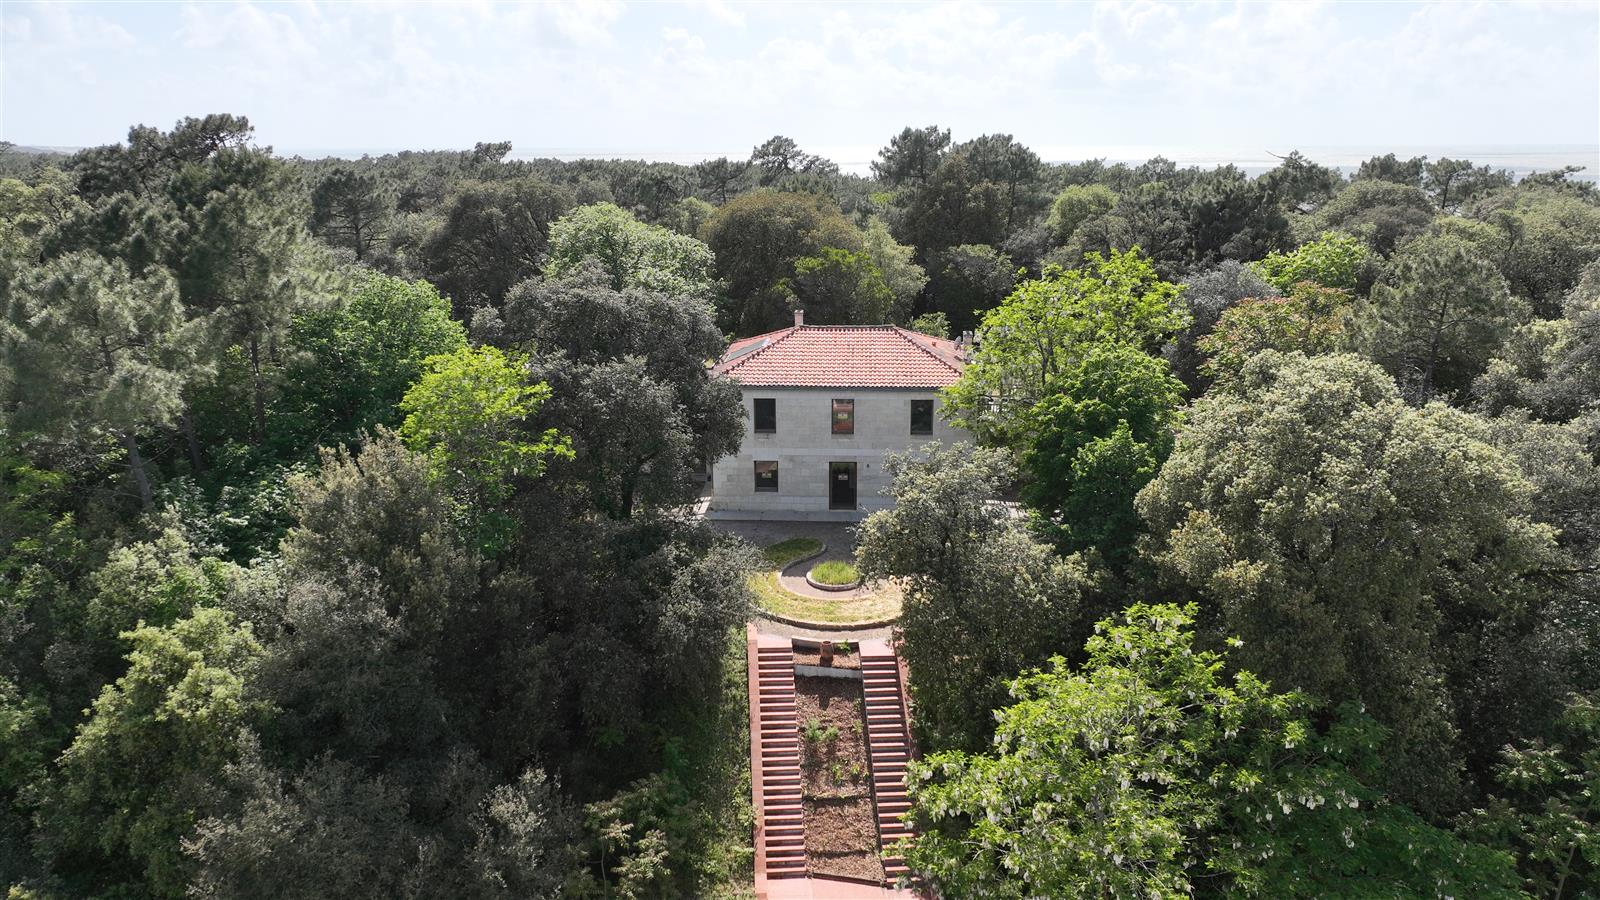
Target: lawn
[772, 597]
[884, 604]
[785, 552]
[835, 572]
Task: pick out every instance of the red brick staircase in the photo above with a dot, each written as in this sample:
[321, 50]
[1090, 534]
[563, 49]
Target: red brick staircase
[888, 743]
[775, 759]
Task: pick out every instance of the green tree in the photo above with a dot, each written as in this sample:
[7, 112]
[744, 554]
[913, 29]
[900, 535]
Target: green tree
[978, 586]
[1383, 214]
[757, 238]
[1549, 238]
[631, 252]
[1297, 180]
[1394, 170]
[354, 360]
[720, 178]
[90, 348]
[493, 236]
[1311, 320]
[905, 278]
[352, 210]
[1452, 182]
[933, 323]
[1548, 367]
[375, 519]
[1357, 544]
[1094, 442]
[689, 215]
[1075, 205]
[838, 287]
[1227, 215]
[139, 773]
[1548, 807]
[1333, 260]
[967, 281]
[912, 156]
[465, 415]
[1437, 316]
[982, 191]
[246, 264]
[1048, 325]
[1151, 773]
[630, 385]
[780, 157]
[1206, 296]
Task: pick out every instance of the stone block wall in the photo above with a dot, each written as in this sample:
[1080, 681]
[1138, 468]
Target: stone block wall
[804, 445]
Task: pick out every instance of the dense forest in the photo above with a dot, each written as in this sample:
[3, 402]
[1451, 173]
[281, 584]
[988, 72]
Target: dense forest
[344, 547]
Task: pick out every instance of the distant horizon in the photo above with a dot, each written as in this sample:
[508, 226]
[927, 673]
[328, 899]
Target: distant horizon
[1520, 159]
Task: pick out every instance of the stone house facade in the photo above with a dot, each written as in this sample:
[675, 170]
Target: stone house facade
[823, 404]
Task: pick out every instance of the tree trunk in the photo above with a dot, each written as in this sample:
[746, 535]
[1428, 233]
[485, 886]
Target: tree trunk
[197, 460]
[260, 427]
[136, 467]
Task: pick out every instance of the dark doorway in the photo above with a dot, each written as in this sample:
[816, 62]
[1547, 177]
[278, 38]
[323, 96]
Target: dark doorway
[842, 485]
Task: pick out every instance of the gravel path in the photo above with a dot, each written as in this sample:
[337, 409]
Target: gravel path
[767, 626]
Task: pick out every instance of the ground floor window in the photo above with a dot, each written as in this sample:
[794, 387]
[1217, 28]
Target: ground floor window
[766, 475]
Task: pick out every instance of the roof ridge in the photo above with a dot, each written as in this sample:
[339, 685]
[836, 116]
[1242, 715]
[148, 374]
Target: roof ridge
[886, 325]
[903, 332]
[783, 335]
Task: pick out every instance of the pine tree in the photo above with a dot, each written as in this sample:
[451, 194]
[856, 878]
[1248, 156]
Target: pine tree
[93, 350]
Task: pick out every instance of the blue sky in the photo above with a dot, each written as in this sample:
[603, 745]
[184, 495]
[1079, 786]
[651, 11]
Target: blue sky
[698, 78]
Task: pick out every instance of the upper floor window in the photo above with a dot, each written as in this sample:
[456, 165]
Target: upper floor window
[844, 417]
[922, 417]
[766, 415]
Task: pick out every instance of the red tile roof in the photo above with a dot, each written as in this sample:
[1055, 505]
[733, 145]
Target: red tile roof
[885, 356]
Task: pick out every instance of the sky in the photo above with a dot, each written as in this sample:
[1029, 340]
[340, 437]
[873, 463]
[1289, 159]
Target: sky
[688, 80]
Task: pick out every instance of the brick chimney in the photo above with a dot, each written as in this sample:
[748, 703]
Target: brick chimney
[799, 317]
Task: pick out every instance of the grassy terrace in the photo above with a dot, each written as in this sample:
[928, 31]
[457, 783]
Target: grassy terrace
[772, 597]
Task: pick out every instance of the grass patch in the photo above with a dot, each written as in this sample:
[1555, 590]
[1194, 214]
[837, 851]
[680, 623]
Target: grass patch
[835, 571]
[785, 552]
[876, 607]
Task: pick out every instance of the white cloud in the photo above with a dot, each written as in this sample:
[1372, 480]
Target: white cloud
[722, 11]
[717, 74]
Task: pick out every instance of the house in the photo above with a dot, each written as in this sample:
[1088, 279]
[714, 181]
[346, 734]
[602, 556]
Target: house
[823, 404]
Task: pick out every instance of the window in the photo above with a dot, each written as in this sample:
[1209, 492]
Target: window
[844, 417]
[922, 417]
[766, 476]
[766, 416]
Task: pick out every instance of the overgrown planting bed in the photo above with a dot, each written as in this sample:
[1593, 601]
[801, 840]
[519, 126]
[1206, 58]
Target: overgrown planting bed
[844, 656]
[836, 783]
